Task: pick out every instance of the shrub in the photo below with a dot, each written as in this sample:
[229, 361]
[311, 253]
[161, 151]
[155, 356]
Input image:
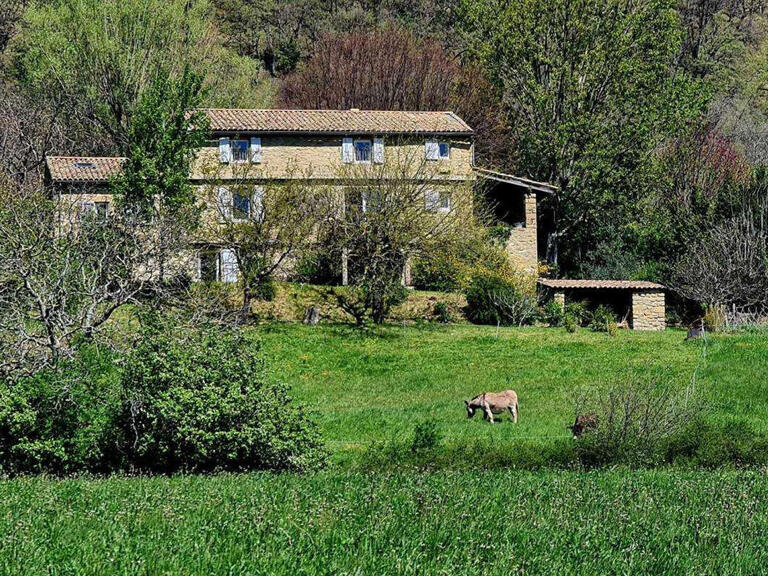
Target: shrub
[199, 400]
[266, 290]
[61, 420]
[552, 314]
[710, 445]
[714, 318]
[443, 313]
[426, 436]
[569, 321]
[496, 299]
[636, 422]
[578, 311]
[602, 319]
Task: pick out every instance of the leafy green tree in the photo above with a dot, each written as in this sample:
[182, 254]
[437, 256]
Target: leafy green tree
[590, 95]
[165, 133]
[103, 54]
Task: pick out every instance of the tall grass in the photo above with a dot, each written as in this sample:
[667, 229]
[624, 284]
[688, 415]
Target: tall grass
[611, 522]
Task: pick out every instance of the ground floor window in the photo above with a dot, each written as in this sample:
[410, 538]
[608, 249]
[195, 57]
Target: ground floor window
[209, 266]
[218, 265]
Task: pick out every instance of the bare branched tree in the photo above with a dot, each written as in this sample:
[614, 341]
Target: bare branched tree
[728, 266]
[267, 224]
[30, 128]
[393, 212]
[64, 273]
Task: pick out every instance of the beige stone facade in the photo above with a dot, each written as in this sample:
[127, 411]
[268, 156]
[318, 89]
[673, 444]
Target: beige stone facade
[522, 245]
[266, 147]
[648, 310]
[320, 158]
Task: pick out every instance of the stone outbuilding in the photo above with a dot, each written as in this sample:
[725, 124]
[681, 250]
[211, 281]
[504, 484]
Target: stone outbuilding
[641, 303]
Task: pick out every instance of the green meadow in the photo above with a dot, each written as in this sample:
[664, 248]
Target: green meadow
[369, 389]
[344, 523]
[376, 387]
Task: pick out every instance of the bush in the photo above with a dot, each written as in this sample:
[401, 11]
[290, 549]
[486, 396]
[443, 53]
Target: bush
[61, 420]
[426, 436]
[569, 321]
[603, 320]
[199, 400]
[578, 311]
[443, 312]
[636, 423]
[496, 299]
[552, 314]
[710, 445]
[266, 290]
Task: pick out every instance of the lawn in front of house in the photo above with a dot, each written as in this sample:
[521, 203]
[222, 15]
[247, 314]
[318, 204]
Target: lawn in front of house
[374, 387]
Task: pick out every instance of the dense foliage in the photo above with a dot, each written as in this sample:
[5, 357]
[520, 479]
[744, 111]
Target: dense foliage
[181, 399]
[501, 299]
[201, 400]
[649, 116]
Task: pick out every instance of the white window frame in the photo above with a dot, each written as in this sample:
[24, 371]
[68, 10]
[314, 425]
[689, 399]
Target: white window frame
[438, 201]
[370, 150]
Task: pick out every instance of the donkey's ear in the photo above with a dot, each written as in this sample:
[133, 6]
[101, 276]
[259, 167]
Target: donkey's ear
[466, 402]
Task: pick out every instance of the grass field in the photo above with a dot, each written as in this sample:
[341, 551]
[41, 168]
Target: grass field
[366, 388]
[405, 520]
[502, 522]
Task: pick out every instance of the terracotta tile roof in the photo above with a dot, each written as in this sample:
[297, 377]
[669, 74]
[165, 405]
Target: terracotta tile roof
[336, 121]
[600, 284]
[82, 169]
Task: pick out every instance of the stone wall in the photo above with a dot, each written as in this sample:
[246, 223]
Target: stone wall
[648, 310]
[319, 157]
[522, 242]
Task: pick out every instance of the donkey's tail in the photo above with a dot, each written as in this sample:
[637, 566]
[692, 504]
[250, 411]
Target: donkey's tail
[517, 409]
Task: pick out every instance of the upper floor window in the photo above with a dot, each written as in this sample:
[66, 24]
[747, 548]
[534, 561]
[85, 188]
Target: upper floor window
[240, 151]
[363, 150]
[434, 150]
[241, 206]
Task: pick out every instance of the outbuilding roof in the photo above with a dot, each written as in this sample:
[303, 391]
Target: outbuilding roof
[83, 168]
[599, 284]
[336, 121]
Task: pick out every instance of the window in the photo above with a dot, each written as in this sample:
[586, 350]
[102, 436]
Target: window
[97, 211]
[436, 201]
[445, 150]
[240, 151]
[102, 211]
[241, 207]
[363, 151]
[209, 266]
[218, 265]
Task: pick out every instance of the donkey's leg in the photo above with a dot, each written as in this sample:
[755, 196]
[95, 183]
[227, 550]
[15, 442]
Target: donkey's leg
[488, 414]
[513, 413]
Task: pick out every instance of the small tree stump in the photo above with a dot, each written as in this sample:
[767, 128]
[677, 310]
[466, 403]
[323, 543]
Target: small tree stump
[312, 316]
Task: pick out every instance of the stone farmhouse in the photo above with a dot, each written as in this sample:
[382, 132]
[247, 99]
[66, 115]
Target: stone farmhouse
[315, 145]
[271, 146]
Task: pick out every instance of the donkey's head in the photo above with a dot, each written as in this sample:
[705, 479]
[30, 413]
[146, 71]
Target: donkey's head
[470, 408]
